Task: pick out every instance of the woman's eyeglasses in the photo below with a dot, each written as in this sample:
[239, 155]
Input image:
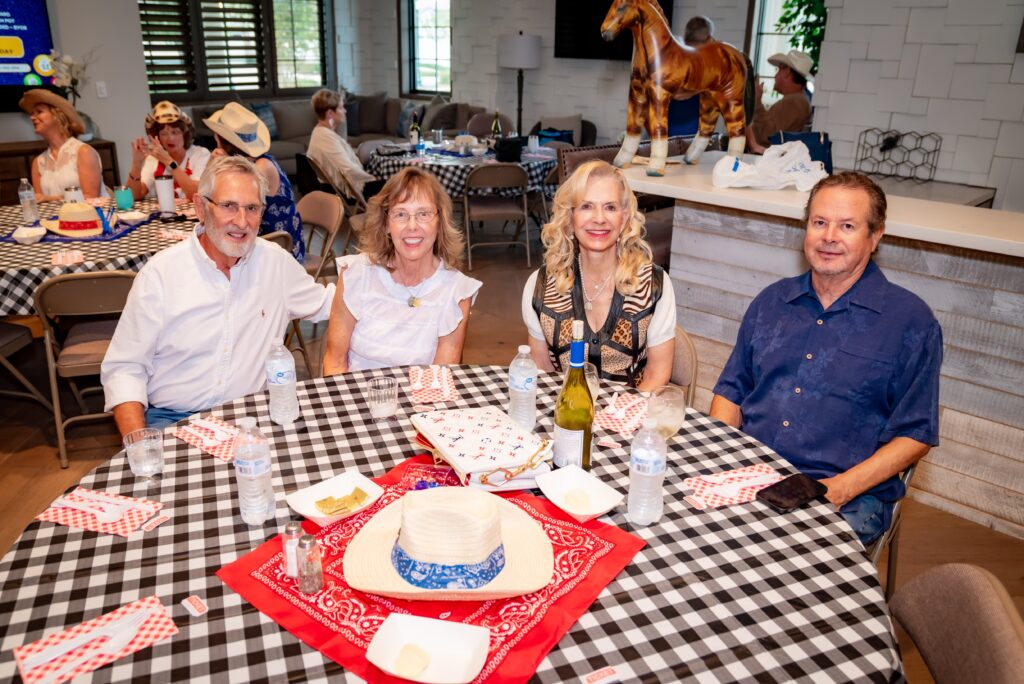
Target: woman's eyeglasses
[401, 216]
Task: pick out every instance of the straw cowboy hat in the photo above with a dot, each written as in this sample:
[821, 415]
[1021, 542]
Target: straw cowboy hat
[240, 127]
[167, 112]
[449, 543]
[39, 96]
[75, 219]
[797, 61]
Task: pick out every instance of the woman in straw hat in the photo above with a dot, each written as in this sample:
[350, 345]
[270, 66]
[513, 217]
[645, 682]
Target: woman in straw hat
[67, 161]
[598, 268]
[167, 151]
[240, 132]
[403, 301]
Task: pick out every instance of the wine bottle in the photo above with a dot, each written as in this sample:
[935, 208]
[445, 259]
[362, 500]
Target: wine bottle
[496, 125]
[414, 133]
[574, 410]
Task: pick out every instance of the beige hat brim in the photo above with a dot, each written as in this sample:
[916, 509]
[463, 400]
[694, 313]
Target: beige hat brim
[529, 559]
[254, 149]
[53, 225]
[781, 59]
[39, 96]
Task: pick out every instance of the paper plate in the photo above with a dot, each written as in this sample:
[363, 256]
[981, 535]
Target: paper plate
[578, 493]
[304, 501]
[28, 235]
[131, 218]
[426, 650]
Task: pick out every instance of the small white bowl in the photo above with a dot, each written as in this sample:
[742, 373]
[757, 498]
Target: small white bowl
[578, 493]
[131, 218]
[28, 235]
[479, 150]
[304, 501]
[454, 653]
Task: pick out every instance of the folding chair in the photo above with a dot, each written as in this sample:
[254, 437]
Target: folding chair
[684, 365]
[306, 179]
[65, 298]
[354, 203]
[12, 339]
[495, 207]
[323, 214]
[283, 240]
[891, 538]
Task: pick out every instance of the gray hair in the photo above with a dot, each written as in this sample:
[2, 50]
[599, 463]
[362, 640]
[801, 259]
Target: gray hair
[698, 30]
[219, 166]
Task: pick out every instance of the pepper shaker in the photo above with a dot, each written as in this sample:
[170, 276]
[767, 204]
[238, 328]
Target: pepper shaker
[290, 544]
[311, 574]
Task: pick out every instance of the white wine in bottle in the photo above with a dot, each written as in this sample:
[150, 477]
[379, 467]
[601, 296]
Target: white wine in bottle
[574, 410]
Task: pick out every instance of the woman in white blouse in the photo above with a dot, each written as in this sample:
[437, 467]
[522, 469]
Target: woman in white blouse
[402, 301]
[67, 161]
[167, 151]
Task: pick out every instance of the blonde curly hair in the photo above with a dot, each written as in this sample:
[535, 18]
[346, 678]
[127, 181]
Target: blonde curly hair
[375, 238]
[558, 236]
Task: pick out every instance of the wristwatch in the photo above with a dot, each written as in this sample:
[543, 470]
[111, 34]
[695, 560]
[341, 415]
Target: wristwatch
[173, 165]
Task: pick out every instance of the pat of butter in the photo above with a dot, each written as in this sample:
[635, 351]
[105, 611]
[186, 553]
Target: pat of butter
[411, 661]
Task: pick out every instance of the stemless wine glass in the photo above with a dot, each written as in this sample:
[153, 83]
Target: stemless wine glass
[383, 397]
[145, 449]
[667, 405]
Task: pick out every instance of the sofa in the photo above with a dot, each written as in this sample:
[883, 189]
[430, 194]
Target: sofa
[370, 117]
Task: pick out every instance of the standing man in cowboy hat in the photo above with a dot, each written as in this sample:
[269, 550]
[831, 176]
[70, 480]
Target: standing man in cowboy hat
[67, 161]
[168, 150]
[793, 111]
[240, 132]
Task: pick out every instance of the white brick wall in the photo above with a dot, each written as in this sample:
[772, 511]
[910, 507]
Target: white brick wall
[958, 76]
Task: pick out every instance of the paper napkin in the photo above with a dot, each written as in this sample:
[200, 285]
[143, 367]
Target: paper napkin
[432, 385]
[624, 414]
[133, 517]
[728, 487]
[208, 440]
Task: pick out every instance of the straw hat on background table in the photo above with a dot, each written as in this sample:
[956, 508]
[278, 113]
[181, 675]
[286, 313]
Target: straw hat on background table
[75, 219]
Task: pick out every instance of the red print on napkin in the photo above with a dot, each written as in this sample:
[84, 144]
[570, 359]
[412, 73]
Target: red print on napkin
[141, 511]
[729, 487]
[93, 654]
[207, 440]
[67, 257]
[624, 414]
[432, 385]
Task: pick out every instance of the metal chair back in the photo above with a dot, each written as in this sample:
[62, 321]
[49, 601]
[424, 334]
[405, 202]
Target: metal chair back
[497, 176]
[684, 364]
[323, 214]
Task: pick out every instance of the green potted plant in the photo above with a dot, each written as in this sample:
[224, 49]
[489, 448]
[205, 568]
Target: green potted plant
[806, 19]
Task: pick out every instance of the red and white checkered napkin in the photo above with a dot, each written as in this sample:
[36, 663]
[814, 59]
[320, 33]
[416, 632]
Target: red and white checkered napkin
[205, 439]
[727, 487]
[422, 383]
[129, 522]
[67, 257]
[91, 654]
[624, 414]
[172, 234]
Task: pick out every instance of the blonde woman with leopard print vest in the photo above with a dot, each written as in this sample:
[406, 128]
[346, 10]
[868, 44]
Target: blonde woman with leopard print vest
[598, 268]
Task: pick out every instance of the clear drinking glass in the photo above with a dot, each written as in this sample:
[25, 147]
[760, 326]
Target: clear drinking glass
[383, 396]
[667, 405]
[145, 449]
[593, 380]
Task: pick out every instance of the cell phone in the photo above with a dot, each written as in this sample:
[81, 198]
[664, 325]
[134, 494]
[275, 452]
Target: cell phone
[791, 493]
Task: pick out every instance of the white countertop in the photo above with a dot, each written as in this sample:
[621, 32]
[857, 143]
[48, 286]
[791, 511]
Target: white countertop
[987, 230]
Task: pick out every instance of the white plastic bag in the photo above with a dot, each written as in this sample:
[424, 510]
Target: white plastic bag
[782, 165]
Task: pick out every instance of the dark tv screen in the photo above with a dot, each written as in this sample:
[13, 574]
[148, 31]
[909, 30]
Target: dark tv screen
[578, 30]
[25, 42]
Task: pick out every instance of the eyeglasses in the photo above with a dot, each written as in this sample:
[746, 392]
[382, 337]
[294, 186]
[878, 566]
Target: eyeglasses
[401, 216]
[230, 209]
[609, 208]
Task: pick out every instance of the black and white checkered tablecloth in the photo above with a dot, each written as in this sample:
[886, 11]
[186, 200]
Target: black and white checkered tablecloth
[24, 267]
[452, 171]
[736, 594]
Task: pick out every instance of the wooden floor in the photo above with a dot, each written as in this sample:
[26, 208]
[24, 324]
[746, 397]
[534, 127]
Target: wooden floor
[31, 477]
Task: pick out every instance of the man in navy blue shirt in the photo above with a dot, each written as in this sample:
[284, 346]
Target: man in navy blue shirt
[837, 369]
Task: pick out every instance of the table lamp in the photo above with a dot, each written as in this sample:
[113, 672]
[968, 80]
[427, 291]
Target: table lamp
[516, 51]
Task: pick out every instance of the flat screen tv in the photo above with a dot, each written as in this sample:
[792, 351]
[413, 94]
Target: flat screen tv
[578, 30]
[25, 43]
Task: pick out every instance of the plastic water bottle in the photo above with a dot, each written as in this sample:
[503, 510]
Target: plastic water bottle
[646, 475]
[253, 473]
[284, 404]
[522, 389]
[27, 197]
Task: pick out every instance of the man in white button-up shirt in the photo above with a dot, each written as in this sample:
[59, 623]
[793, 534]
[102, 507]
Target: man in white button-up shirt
[203, 314]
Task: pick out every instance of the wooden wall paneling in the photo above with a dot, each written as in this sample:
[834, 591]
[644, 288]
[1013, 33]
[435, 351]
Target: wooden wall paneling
[982, 433]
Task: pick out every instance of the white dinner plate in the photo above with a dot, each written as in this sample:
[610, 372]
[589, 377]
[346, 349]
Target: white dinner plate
[304, 501]
[435, 651]
[578, 493]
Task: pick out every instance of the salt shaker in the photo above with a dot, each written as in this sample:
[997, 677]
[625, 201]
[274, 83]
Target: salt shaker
[311, 573]
[290, 543]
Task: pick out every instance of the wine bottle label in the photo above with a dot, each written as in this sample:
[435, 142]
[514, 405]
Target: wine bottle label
[568, 447]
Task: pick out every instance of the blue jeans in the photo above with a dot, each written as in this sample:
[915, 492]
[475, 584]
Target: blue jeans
[160, 417]
[869, 517]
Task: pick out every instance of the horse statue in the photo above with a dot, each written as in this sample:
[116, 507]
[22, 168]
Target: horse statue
[665, 68]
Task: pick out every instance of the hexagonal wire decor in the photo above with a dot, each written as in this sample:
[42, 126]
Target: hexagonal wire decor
[903, 155]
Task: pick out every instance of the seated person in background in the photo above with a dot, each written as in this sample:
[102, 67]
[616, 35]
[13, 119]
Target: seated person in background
[793, 111]
[403, 301]
[331, 152]
[239, 132]
[597, 268]
[202, 315]
[67, 161]
[167, 151]
[837, 369]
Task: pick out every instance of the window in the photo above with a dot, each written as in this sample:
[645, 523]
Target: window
[767, 40]
[205, 49]
[780, 26]
[428, 46]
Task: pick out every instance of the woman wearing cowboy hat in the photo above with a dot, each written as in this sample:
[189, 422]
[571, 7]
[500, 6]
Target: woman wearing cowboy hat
[239, 131]
[67, 160]
[167, 151]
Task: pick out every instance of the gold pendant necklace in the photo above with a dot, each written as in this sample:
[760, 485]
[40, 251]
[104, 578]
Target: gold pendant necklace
[413, 300]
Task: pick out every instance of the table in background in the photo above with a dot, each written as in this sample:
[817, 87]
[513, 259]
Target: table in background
[722, 595]
[16, 163]
[24, 267]
[452, 171]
